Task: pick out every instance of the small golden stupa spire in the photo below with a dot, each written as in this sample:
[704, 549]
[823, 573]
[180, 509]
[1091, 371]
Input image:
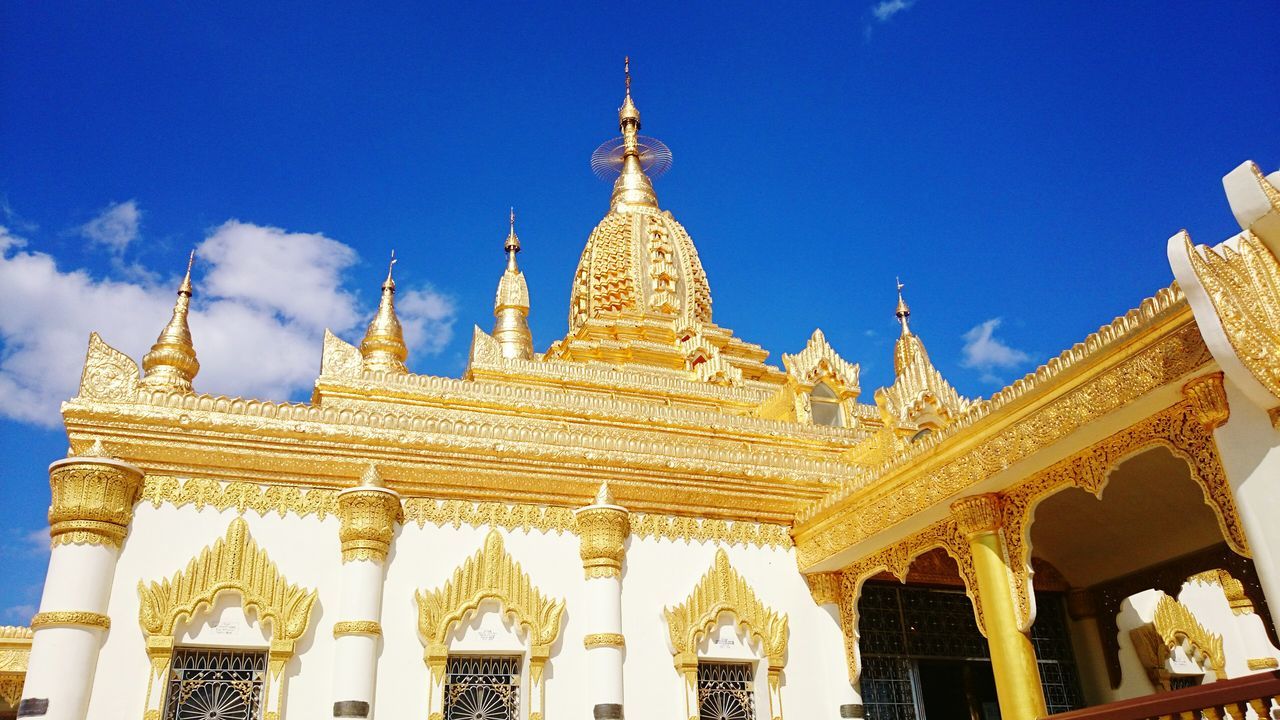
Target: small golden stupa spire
[632, 187]
[903, 312]
[172, 363]
[383, 346]
[604, 496]
[511, 305]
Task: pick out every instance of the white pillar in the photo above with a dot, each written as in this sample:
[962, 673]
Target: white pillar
[603, 528]
[828, 591]
[368, 513]
[92, 505]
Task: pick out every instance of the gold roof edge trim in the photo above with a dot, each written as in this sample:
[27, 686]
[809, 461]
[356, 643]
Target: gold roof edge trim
[1165, 303]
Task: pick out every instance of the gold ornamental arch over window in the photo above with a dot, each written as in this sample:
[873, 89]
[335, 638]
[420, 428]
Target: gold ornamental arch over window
[489, 574]
[234, 563]
[723, 590]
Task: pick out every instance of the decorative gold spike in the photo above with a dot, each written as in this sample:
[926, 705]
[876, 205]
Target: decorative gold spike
[172, 362]
[633, 186]
[511, 305]
[383, 346]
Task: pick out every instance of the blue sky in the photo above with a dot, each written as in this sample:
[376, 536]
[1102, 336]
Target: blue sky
[1020, 165]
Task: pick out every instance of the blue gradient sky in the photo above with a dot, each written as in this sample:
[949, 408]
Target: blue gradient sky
[1012, 161]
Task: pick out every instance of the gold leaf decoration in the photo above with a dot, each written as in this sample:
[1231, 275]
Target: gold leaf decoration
[1175, 623]
[723, 590]
[109, 374]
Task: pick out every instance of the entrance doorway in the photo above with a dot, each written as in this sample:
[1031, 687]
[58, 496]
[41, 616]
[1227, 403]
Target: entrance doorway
[957, 690]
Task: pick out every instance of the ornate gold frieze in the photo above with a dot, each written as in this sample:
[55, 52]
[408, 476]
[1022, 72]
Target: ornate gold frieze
[595, 640]
[602, 530]
[55, 618]
[722, 590]
[1208, 398]
[369, 513]
[93, 498]
[490, 574]
[456, 513]
[242, 496]
[1175, 623]
[1232, 588]
[357, 627]
[1264, 663]
[928, 471]
[687, 529]
[1243, 283]
[15, 651]
[1178, 428]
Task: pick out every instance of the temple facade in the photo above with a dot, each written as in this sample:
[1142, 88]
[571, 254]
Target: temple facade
[649, 520]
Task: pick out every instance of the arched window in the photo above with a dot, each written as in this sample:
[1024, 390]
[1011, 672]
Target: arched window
[825, 406]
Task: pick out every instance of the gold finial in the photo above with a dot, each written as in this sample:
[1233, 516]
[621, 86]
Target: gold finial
[172, 363]
[604, 496]
[903, 312]
[383, 346]
[633, 186]
[511, 305]
[371, 478]
[626, 68]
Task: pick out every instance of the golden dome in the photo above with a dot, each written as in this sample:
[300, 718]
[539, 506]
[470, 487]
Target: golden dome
[640, 261]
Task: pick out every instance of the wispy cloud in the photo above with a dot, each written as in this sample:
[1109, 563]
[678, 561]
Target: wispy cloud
[884, 11]
[263, 297]
[115, 227]
[984, 352]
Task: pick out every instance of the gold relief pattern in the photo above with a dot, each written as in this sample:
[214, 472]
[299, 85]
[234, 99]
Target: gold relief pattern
[11, 687]
[1208, 398]
[357, 627]
[905, 487]
[243, 496]
[92, 500]
[845, 586]
[56, 618]
[490, 574]
[456, 513]
[595, 640]
[687, 529]
[977, 514]
[722, 590]
[1243, 283]
[369, 518]
[1175, 624]
[819, 362]
[1265, 663]
[109, 375]
[1232, 588]
[602, 531]
[340, 358]
[1178, 428]
[15, 651]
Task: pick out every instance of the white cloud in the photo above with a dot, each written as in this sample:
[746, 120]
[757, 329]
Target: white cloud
[18, 614]
[885, 10]
[986, 353]
[263, 297]
[115, 227]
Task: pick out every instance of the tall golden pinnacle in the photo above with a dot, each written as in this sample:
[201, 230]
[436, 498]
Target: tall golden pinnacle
[383, 346]
[632, 187]
[903, 312]
[511, 305]
[909, 346]
[171, 363]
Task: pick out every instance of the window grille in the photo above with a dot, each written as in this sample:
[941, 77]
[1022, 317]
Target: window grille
[209, 683]
[725, 691]
[482, 688]
[824, 406]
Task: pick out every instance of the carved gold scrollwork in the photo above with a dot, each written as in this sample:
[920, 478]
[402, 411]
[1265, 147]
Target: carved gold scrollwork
[1175, 624]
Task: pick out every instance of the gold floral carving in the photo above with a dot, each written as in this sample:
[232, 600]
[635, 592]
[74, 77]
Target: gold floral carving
[687, 529]
[602, 530]
[977, 514]
[1263, 663]
[1152, 654]
[1178, 428]
[340, 358]
[1243, 283]
[1232, 588]
[456, 513]
[1208, 398]
[595, 640]
[844, 588]
[490, 574]
[242, 496]
[357, 627]
[56, 618]
[369, 516]
[930, 470]
[1175, 624]
[92, 500]
[11, 687]
[15, 651]
[109, 375]
[723, 590]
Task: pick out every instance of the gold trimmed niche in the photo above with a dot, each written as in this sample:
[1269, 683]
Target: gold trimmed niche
[723, 590]
[233, 563]
[490, 574]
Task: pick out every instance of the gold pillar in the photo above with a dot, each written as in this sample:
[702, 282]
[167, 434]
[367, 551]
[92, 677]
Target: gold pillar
[1013, 659]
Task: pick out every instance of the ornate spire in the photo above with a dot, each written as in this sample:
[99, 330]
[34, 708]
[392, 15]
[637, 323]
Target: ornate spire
[632, 187]
[172, 361]
[383, 346]
[511, 306]
[903, 312]
[371, 478]
[604, 496]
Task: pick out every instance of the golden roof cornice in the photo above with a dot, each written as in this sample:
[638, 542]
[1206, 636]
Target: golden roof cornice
[1152, 346]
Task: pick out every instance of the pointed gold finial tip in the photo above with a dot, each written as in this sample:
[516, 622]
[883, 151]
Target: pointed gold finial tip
[371, 478]
[184, 288]
[903, 311]
[512, 243]
[604, 496]
[389, 283]
[626, 69]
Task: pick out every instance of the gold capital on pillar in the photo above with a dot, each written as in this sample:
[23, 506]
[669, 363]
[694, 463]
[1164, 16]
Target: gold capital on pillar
[368, 513]
[1013, 658]
[93, 497]
[603, 528]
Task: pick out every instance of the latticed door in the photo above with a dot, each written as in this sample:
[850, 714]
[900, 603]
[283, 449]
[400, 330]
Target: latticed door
[215, 684]
[725, 691]
[482, 688]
